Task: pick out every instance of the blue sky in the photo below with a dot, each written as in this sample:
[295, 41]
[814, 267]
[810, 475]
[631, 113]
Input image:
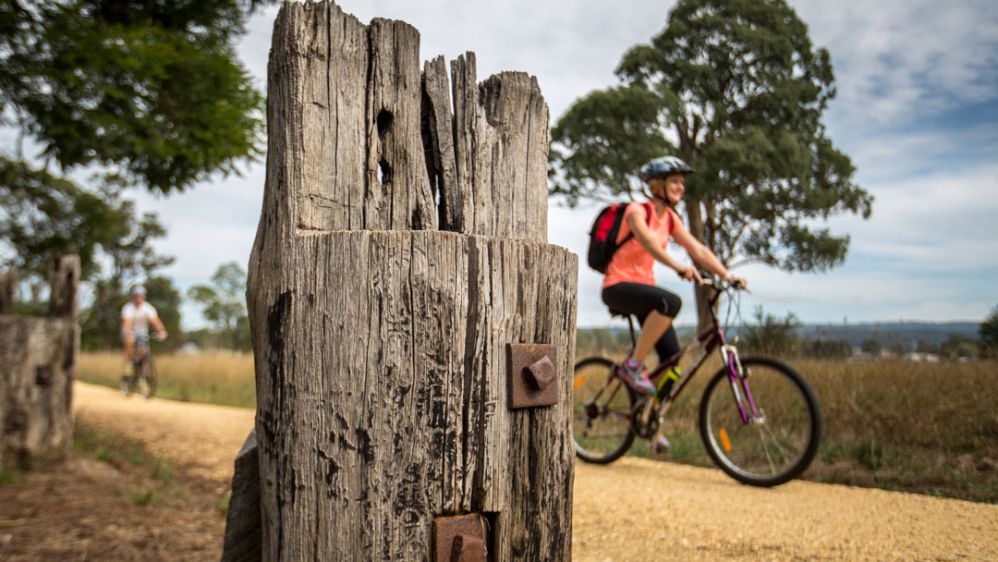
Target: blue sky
[917, 110]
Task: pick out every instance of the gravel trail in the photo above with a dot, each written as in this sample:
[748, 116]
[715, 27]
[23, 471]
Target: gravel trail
[638, 509]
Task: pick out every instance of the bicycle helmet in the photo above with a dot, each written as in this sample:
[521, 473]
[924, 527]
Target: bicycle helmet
[664, 166]
[138, 290]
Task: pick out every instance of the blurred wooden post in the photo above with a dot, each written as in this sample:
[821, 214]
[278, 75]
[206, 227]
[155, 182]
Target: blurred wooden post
[37, 362]
[8, 285]
[401, 249]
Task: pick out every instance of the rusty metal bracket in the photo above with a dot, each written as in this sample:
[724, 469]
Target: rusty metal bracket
[460, 538]
[533, 375]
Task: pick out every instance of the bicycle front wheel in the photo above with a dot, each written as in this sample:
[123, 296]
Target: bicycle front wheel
[601, 412]
[780, 438]
[150, 378]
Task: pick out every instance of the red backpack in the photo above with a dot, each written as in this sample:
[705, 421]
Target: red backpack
[603, 235]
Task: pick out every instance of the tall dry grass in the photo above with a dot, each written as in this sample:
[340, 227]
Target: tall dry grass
[923, 427]
[911, 426]
[930, 428]
[216, 377]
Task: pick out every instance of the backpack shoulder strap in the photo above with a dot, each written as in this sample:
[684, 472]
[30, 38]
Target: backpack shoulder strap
[674, 219]
[649, 209]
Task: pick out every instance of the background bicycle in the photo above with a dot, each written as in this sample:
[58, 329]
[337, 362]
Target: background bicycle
[143, 378]
[758, 418]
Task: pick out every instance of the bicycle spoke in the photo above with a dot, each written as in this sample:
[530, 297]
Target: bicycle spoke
[785, 452]
[772, 465]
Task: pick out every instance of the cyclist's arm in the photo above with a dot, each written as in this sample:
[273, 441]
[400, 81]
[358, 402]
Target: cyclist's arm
[160, 328]
[645, 237]
[701, 254]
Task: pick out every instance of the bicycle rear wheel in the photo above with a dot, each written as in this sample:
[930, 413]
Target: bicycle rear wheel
[601, 412]
[773, 447]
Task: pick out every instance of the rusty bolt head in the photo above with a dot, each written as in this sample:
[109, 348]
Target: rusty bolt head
[533, 375]
[541, 373]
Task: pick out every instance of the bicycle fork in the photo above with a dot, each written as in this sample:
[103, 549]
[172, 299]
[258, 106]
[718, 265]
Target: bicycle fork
[739, 381]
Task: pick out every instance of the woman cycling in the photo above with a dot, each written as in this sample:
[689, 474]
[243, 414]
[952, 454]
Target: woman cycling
[629, 285]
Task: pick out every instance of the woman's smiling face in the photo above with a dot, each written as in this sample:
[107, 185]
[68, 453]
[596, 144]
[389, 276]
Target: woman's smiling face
[671, 187]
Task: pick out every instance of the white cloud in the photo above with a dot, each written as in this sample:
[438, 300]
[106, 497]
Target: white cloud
[906, 59]
[937, 223]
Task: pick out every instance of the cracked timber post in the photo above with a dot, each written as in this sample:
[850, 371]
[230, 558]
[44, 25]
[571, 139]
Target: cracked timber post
[401, 248]
[37, 363]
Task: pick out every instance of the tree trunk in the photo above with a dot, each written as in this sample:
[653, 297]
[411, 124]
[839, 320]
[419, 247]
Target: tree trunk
[382, 343]
[37, 361]
[8, 286]
[702, 294]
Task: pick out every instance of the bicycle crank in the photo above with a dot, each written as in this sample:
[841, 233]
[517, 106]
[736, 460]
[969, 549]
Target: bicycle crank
[643, 418]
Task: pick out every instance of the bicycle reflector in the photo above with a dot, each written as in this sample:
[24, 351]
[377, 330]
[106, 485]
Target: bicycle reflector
[579, 381]
[724, 440]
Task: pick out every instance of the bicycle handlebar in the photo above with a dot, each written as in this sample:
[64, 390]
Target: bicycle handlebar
[710, 280]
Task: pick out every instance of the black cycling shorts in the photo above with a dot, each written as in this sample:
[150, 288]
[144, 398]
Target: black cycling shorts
[640, 300]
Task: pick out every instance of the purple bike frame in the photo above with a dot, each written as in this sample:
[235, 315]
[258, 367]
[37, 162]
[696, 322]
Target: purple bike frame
[709, 340]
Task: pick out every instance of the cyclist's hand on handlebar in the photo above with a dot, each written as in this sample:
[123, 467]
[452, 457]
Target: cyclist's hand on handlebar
[161, 336]
[690, 274]
[739, 283]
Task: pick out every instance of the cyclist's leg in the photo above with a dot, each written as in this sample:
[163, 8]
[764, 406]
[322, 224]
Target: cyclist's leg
[653, 328]
[655, 306]
[128, 339]
[648, 302]
[667, 345]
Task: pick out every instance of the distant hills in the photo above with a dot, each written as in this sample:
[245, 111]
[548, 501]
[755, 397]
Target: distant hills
[908, 334]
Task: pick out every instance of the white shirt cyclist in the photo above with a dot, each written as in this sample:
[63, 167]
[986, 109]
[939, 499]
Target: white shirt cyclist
[140, 316]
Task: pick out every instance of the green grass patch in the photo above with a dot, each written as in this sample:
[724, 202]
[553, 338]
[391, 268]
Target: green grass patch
[142, 498]
[223, 503]
[163, 471]
[9, 476]
[108, 447]
[128, 455]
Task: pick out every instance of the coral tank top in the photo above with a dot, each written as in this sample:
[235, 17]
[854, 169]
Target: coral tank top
[631, 263]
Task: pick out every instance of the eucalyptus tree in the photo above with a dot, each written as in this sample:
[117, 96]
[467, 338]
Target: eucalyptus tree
[100, 96]
[735, 88]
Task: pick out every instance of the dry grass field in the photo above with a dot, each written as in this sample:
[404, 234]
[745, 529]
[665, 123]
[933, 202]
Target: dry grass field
[928, 428]
[215, 377]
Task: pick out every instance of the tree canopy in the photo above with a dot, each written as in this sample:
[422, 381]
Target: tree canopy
[735, 88]
[45, 216]
[146, 94]
[224, 303]
[151, 90]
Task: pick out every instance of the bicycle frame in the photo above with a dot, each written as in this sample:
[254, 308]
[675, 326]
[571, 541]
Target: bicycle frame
[709, 340]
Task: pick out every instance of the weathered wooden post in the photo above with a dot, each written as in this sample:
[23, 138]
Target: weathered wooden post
[402, 294]
[37, 361]
[8, 283]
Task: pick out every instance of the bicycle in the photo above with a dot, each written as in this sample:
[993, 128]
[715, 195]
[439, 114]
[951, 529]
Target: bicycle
[764, 434]
[143, 378]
